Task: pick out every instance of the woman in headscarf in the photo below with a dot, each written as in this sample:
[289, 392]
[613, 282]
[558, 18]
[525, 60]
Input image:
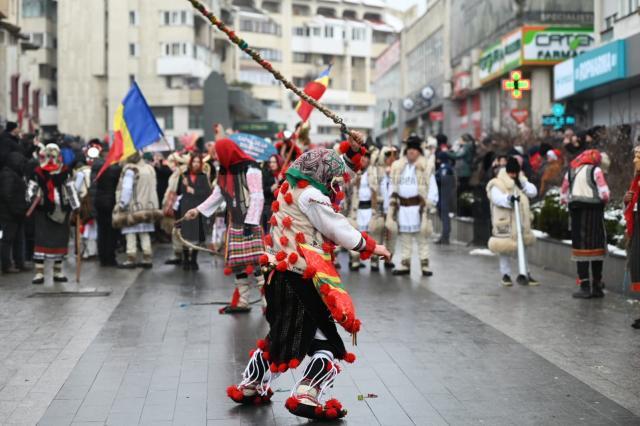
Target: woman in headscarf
[305, 297]
[193, 188]
[632, 217]
[585, 191]
[271, 179]
[240, 186]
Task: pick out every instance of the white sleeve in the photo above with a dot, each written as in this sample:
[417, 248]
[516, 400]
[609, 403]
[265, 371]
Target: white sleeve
[500, 199]
[256, 197]
[127, 187]
[528, 188]
[211, 204]
[79, 181]
[433, 194]
[334, 226]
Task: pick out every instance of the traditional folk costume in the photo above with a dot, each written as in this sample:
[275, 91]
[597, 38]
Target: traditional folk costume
[304, 294]
[178, 164]
[632, 217]
[193, 189]
[53, 193]
[585, 190]
[82, 182]
[414, 193]
[502, 192]
[382, 163]
[240, 186]
[137, 209]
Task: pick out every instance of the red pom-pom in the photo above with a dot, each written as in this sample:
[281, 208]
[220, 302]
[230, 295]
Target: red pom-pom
[227, 271]
[273, 368]
[268, 240]
[288, 197]
[331, 413]
[280, 256]
[285, 186]
[266, 356]
[309, 273]
[300, 239]
[329, 366]
[234, 393]
[293, 258]
[292, 403]
[249, 269]
[273, 221]
[346, 177]
[283, 367]
[340, 195]
[294, 363]
[303, 184]
[349, 357]
[328, 247]
[251, 352]
[345, 146]
[333, 403]
[284, 241]
[264, 259]
[318, 411]
[261, 344]
[275, 206]
[287, 222]
[336, 208]
[356, 160]
[281, 267]
[276, 193]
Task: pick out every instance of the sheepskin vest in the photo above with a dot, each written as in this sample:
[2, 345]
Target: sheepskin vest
[424, 170]
[289, 228]
[145, 196]
[583, 186]
[504, 239]
[372, 181]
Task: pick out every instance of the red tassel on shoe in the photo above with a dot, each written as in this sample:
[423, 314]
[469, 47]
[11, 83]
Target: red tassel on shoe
[261, 344]
[319, 411]
[294, 363]
[249, 269]
[227, 271]
[333, 403]
[235, 298]
[331, 413]
[292, 403]
[349, 357]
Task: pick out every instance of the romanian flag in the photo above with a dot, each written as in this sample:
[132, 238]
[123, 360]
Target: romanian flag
[134, 127]
[315, 89]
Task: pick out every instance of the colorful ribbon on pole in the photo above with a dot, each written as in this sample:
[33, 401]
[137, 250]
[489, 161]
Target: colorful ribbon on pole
[244, 46]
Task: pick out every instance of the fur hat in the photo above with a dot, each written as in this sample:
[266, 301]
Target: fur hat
[513, 165]
[414, 142]
[11, 126]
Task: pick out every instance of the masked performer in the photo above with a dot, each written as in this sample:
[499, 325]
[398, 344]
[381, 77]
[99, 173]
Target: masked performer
[138, 203]
[414, 193]
[305, 294]
[53, 194]
[586, 192]
[632, 217]
[82, 182]
[240, 186]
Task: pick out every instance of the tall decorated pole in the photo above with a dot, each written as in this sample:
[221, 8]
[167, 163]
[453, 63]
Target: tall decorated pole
[242, 44]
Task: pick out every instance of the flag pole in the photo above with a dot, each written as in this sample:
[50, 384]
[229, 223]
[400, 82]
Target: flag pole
[242, 44]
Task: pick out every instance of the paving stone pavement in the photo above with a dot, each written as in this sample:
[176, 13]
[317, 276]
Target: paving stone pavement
[42, 339]
[451, 350]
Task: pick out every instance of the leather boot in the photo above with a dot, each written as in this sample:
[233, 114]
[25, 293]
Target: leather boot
[585, 290]
[597, 289]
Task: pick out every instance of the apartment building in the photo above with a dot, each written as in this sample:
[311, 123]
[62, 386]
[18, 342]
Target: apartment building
[602, 86]
[302, 38]
[165, 46]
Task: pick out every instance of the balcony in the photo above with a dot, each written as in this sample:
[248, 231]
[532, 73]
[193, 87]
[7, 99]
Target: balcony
[183, 66]
[49, 116]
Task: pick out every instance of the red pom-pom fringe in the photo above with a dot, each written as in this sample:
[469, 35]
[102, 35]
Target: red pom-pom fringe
[349, 357]
[273, 221]
[288, 197]
[293, 258]
[319, 411]
[261, 344]
[275, 206]
[303, 184]
[264, 259]
[331, 413]
[281, 267]
[276, 193]
[294, 363]
[283, 367]
[287, 222]
[292, 403]
[280, 256]
[300, 239]
[285, 186]
[346, 177]
[273, 368]
[345, 146]
[333, 403]
[340, 195]
[249, 269]
[227, 271]
[284, 241]
[268, 240]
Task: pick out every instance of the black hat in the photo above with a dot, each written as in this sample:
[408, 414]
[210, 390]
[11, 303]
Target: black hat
[11, 126]
[513, 165]
[414, 142]
[442, 139]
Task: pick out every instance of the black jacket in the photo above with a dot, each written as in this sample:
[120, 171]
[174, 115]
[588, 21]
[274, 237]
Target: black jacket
[13, 203]
[105, 187]
[8, 144]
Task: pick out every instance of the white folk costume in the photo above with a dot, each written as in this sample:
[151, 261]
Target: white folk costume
[414, 193]
[305, 295]
[501, 191]
[52, 192]
[386, 236]
[240, 186]
[137, 209]
[89, 227]
[586, 192]
[178, 164]
[364, 210]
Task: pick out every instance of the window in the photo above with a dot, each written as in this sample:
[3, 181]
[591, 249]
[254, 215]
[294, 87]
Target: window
[260, 26]
[327, 11]
[132, 79]
[133, 50]
[176, 17]
[317, 31]
[301, 58]
[37, 39]
[328, 31]
[327, 59]
[15, 91]
[350, 14]
[177, 49]
[627, 7]
[358, 34]
[33, 8]
[164, 114]
[257, 77]
[300, 31]
[195, 118]
[133, 18]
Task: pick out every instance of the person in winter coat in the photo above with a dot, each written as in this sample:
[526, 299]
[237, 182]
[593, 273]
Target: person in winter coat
[271, 178]
[509, 186]
[193, 188]
[9, 142]
[464, 161]
[632, 217]
[13, 206]
[586, 192]
[445, 177]
[104, 202]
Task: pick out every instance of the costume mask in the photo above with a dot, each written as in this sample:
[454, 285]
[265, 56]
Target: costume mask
[50, 158]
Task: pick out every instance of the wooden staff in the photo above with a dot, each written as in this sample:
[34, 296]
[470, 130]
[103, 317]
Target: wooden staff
[78, 248]
[242, 44]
